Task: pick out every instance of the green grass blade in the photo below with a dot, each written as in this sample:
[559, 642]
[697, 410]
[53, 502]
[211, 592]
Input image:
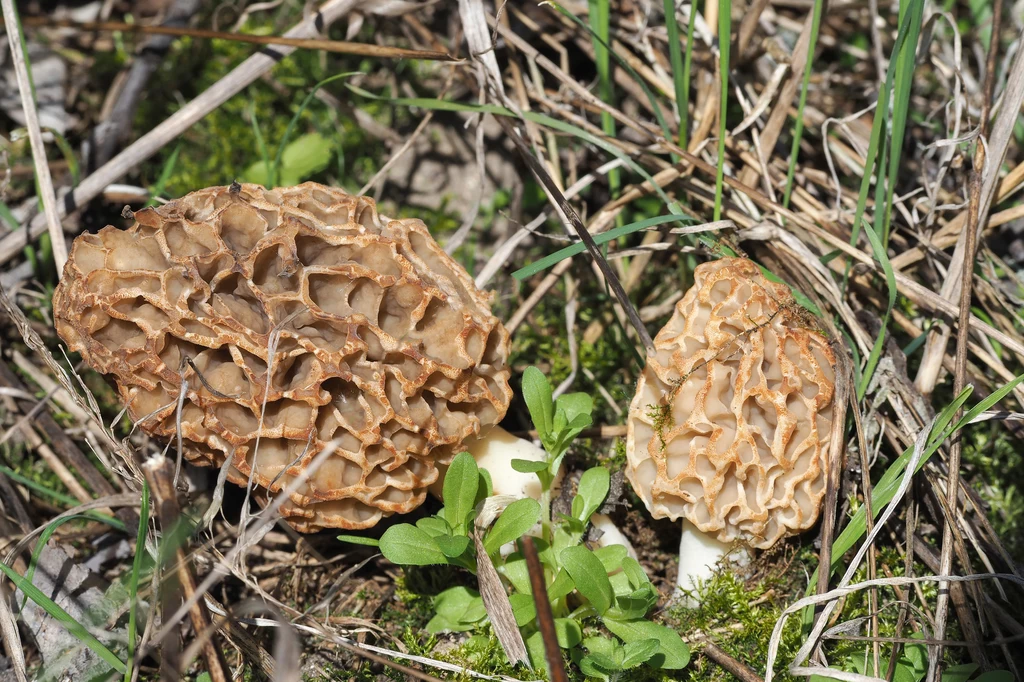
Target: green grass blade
[684, 123]
[905, 63]
[600, 19]
[579, 247]
[662, 123]
[261, 144]
[133, 585]
[60, 497]
[798, 129]
[276, 170]
[157, 190]
[724, 36]
[887, 485]
[64, 618]
[680, 78]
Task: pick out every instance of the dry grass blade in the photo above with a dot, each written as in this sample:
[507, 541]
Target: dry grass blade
[499, 609]
[159, 474]
[28, 105]
[335, 46]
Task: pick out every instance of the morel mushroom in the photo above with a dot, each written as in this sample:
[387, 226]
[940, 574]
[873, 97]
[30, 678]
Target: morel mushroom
[730, 425]
[297, 316]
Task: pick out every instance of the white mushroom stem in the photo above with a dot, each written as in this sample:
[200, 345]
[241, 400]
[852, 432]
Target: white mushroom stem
[699, 556]
[495, 452]
[610, 534]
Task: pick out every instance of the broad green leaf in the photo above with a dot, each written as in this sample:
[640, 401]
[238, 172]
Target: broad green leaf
[634, 605]
[407, 545]
[992, 676]
[589, 575]
[672, 651]
[441, 623]
[523, 608]
[537, 394]
[64, 618]
[561, 585]
[518, 517]
[460, 486]
[528, 466]
[434, 526]
[306, 156]
[591, 492]
[517, 573]
[597, 667]
[604, 646]
[458, 609]
[639, 652]
[568, 631]
[637, 577]
[959, 673]
[452, 545]
[570, 407]
[611, 557]
[535, 647]
[359, 540]
[475, 611]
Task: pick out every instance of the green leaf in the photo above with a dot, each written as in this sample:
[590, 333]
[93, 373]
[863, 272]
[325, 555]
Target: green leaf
[517, 573]
[597, 667]
[537, 394]
[589, 575]
[637, 577]
[561, 585]
[591, 492]
[528, 466]
[611, 557]
[604, 646]
[639, 651]
[959, 673]
[523, 608]
[672, 651]
[569, 632]
[535, 647]
[434, 526]
[460, 486]
[407, 545]
[64, 618]
[518, 517]
[992, 676]
[458, 609]
[452, 545]
[636, 604]
[359, 540]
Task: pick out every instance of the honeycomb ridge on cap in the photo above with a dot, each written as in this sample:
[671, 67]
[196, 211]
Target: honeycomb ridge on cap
[381, 342]
[731, 420]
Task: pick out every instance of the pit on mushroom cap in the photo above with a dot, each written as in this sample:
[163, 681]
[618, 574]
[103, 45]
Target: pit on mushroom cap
[729, 428]
[297, 316]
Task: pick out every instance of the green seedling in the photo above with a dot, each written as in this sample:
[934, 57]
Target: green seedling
[599, 597]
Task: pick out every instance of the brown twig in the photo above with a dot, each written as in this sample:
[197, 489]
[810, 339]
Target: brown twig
[545, 619]
[739, 670]
[159, 474]
[336, 46]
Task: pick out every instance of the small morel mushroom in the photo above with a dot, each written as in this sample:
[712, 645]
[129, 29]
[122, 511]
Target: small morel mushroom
[299, 317]
[730, 425]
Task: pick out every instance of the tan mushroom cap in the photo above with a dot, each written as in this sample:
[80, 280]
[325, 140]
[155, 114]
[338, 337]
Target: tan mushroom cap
[375, 339]
[732, 416]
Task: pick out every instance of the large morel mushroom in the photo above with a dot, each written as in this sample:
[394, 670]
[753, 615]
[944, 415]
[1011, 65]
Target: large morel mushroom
[730, 425]
[299, 317]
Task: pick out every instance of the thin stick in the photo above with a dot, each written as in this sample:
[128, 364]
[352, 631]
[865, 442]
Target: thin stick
[336, 46]
[35, 136]
[545, 619]
[974, 222]
[581, 230]
[159, 474]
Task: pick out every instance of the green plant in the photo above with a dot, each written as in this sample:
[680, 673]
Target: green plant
[587, 588]
[912, 666]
